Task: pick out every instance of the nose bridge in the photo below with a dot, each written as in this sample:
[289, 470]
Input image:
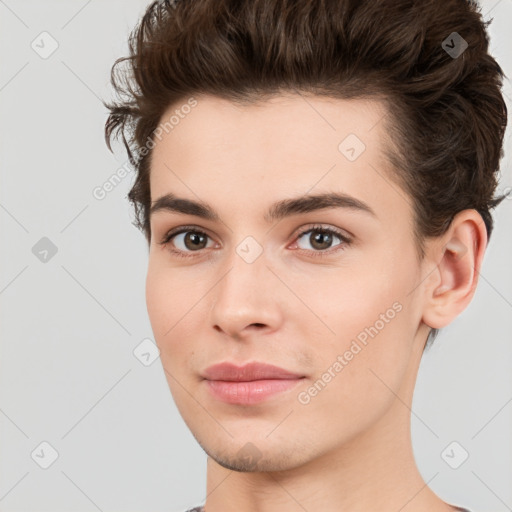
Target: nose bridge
[242, 296]
[247, 273]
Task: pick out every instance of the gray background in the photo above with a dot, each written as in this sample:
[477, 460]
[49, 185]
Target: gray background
[69, 325]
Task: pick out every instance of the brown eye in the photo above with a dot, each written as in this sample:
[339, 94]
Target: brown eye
[185, 241]
[194, 240]
[321, 240]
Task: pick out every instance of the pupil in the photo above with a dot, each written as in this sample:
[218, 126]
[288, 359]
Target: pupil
[195, 237]
[324, 236]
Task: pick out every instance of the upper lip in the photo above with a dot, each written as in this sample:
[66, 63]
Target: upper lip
[251, 371]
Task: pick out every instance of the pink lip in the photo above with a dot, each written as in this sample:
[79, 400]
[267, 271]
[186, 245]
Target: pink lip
[248, 372]
[248, 384]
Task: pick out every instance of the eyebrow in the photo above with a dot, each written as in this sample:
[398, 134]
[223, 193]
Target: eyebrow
[277, 211]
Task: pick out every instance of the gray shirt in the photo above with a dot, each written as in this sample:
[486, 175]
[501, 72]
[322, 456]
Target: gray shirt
[201, 509]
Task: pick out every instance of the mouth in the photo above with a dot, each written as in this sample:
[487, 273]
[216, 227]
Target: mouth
[248, 384]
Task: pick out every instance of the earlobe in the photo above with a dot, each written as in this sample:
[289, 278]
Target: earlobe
[453, 282]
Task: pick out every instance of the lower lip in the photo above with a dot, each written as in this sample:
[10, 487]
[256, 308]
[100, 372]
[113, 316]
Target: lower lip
[249, 392]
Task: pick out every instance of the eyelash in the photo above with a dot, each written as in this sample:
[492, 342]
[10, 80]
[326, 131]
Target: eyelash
[317, 254]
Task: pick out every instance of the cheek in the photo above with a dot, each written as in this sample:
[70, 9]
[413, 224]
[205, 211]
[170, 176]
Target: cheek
[371, 321]
[362, 366]
[175, 300]
[349, 300]
[169, 295]
[159, 301]
[167, 305]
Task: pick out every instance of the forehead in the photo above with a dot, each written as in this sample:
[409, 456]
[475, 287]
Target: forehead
[282, 147]
[293, 123]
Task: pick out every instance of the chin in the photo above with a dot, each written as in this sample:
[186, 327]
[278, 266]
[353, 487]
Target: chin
[252, 463]
[256, 455]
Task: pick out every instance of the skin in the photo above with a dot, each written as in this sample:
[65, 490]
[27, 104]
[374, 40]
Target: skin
[350, 447]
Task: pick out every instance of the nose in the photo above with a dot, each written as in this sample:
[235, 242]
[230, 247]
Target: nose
[247, 299]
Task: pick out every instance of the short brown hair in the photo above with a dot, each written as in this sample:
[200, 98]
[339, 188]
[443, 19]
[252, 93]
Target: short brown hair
[447, 116]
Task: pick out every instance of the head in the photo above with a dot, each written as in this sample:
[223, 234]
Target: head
[248, 107]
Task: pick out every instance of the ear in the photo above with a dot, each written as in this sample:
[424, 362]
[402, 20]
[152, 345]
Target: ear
[459, 255]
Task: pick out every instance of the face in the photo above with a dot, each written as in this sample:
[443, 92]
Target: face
[327, 294]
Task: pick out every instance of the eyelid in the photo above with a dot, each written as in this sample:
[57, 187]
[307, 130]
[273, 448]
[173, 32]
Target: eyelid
[343, 234]
[299, 231]
[346, 239]
[332, 251]
[181, 229]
